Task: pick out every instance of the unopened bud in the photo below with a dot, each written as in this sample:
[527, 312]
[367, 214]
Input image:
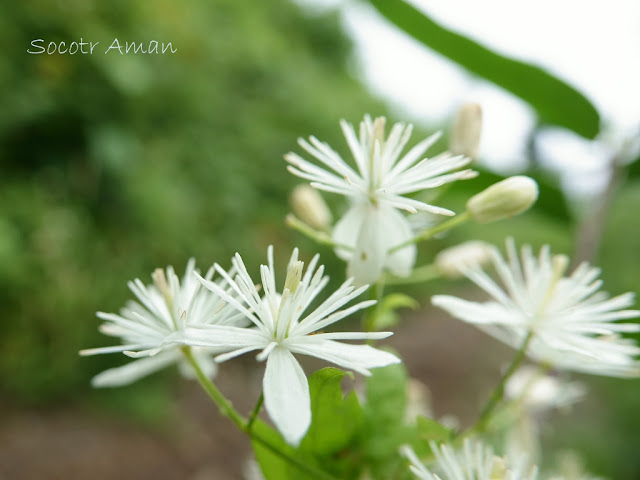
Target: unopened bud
[452, 261]
[309, 206]
[466, 130]
[504, 199]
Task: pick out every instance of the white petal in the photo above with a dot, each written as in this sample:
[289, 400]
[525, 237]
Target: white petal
[286, 395]
[396, 231]
[368, 258]
[129, 373]
[222, 336]
[347, 229]
[356, 357]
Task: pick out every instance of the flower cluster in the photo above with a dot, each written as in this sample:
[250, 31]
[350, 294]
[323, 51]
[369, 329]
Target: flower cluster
[214, 320]
[559, 320]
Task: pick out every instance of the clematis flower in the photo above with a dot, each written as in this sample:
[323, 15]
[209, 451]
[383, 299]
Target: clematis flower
[573, 324]
[475, 461]
[374, 223]
[150, 330]
[282, 329]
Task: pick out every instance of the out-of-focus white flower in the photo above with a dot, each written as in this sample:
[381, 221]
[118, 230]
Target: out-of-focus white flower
[539, 392]
[373, 225]
[281, 329]
[572, 323]
[150, 330]
[475, 461]
[452, 261]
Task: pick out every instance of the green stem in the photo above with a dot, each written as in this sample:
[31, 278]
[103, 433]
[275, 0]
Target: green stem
[228, 411]
[427, 234]
[321, 237]
[496, 396]
[372, 312]
[224, 405]
[421, 274]
[255, 412]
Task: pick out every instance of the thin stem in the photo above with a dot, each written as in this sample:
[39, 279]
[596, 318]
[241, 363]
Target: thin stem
[427, 234]
[321, 237]
[228, 411]
[375, 293]
[421, 274]
[256, 411]
[496, 396]
[224, 405]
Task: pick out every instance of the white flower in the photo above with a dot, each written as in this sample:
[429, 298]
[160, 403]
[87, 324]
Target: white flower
[475, 461]
[150, 330]
[373, 224]
[281, 329]
[572, 323]
[538, 392]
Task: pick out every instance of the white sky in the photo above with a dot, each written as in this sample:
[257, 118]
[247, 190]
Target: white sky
[594, 45]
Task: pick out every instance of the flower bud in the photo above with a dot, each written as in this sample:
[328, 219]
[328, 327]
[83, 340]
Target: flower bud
[504, 199]
[466, 130]
[450, 262]
[309, 206]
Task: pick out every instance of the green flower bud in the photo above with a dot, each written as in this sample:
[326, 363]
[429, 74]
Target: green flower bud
[504, 199]
[309, 206]
[466, 131]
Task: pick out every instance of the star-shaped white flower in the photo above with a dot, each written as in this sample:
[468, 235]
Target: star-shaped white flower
[150, 330]
[573, 324]
[282, 329]
[475, 461]
[374, 224]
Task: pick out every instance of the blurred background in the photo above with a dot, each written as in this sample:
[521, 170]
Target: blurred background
[112, 165]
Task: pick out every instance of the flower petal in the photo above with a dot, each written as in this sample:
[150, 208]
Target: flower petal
[347, 229]
[286, 395]
[396, 231]
[355, 357]
[129, 373]
[368, 258]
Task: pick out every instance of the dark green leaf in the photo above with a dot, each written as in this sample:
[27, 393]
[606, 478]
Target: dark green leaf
[335, 419]
[556, 102]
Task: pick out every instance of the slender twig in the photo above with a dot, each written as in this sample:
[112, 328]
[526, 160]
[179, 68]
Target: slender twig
[427, 234]
[498, 392]
[421, 274]
[316, 235]
[255, 411]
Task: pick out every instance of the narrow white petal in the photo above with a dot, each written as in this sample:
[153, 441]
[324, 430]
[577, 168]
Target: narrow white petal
[347, 229]
[360, 358]
[129, 373]
[369, 255]
[286, 395]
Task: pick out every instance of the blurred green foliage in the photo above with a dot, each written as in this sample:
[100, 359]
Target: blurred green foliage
[115, 164]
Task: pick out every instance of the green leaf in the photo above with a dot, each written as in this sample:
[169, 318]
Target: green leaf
[385, 428]
[430, 430]
[385, 316]
[273, 465]
[555, 101]
[335, 419]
